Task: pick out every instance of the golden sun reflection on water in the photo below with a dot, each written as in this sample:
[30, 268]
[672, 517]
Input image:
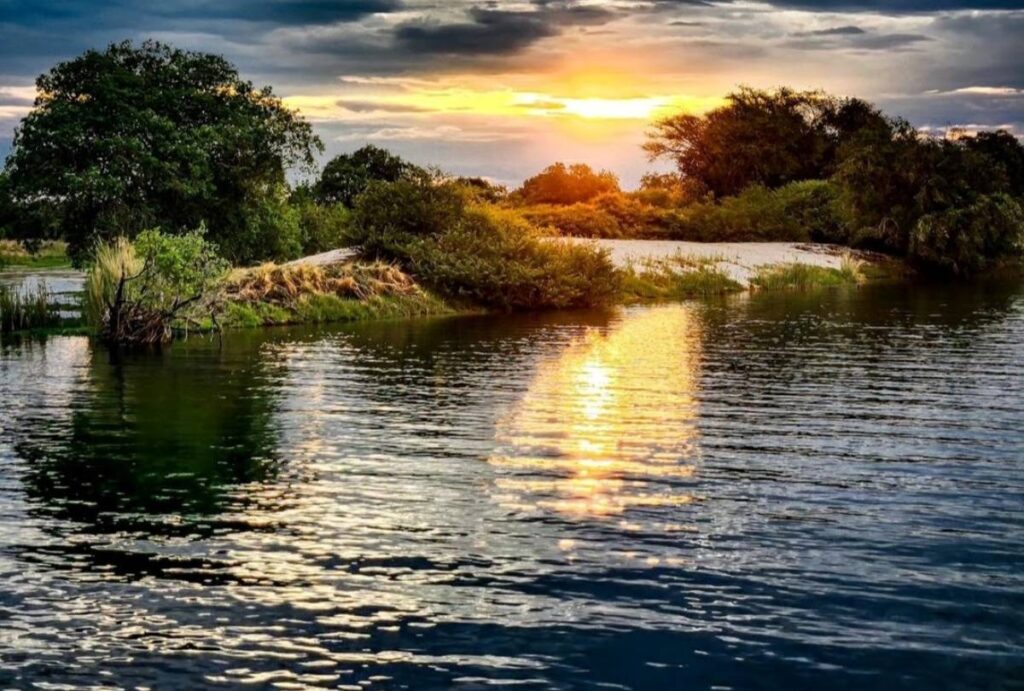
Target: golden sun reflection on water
[609, 424]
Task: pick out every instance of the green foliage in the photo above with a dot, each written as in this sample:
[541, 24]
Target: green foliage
[23, 311]
[347, 176]
[797, 212]
[482, 190]
[767, 138]
[805, 276]
[677, 278]
[137, 137]
[389, 216]
[969, 239]
[477, 252]
[575, 220]
[609, 215]
[495, 258]
[135, 291]
[891, 177]
[322, 227]
[1005, 152]
[561, 184]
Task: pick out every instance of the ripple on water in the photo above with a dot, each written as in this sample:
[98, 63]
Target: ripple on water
[772, 491]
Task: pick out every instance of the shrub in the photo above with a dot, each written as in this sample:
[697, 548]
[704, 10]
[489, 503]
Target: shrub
[322, 227]
[496, 258]
[967, 240]
[477, 252]
[797, 212]
[575, 220]
[389, 216]
[136, 291]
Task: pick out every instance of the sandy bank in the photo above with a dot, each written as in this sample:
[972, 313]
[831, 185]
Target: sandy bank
[739, 259]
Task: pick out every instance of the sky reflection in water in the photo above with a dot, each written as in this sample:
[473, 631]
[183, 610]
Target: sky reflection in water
[776, 492]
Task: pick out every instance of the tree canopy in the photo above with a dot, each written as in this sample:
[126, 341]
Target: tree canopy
[769, 138]
[146, 136]
[347, 176]
[562, 184]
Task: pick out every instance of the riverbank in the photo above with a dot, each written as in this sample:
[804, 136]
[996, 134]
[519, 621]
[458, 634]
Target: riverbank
[336, 286]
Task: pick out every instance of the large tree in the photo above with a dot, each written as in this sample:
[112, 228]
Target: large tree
[136, 137]
[769, 138]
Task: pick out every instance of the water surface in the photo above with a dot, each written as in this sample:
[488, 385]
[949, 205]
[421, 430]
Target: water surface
[785, 491]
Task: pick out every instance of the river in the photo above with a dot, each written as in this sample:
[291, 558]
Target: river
[769, 491]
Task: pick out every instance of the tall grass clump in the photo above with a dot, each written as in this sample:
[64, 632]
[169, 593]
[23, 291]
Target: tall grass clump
[272, 294]
[21, 311]
[806, 276]
[676, 278]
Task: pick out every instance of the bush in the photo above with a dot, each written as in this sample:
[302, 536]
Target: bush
[135, 291]
[476, 252]
[322, 227]
[347, 176]
[388, 216]
[967, 240]
[797, 212]
[575, 220]
[496, 258]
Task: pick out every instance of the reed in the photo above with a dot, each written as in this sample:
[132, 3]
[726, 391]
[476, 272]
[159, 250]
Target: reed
[21, 311]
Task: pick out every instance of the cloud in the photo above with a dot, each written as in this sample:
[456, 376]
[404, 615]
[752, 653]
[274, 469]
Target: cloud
[357, 106]
[848, 30]
[414, 133]
[285, 12]
[497, 32]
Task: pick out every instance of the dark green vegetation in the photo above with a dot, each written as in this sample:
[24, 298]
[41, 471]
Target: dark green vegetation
[140, 137]
[26, 311]
[476, 252]
[137, 290]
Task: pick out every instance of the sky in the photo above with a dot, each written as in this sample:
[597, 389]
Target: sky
[502, 89]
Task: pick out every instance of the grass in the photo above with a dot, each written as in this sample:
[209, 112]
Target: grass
[51, 254]
[677, 278]
[806, 276]
[272, 295]
[27, 311]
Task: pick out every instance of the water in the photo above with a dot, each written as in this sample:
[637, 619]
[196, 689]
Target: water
[770, 492]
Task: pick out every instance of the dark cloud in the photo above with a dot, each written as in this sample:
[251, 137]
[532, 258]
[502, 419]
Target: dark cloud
[857, 40]
[497, 32]
[355, 106]
[898, 6]
[286, 12]
[848, 30]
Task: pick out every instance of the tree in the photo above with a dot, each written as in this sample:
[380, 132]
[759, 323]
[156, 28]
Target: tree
[150, 136]
[769, 138]
[561, 184]
[347, 176]
[1006, 153]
